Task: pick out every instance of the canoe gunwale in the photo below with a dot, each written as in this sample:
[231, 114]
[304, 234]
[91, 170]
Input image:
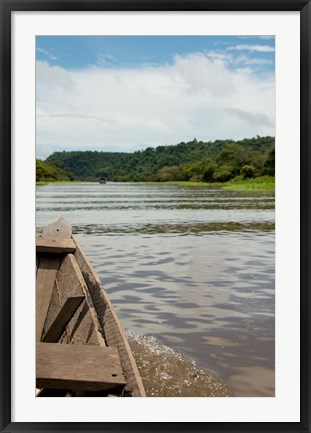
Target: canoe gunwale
[109, 322]
[108, 329]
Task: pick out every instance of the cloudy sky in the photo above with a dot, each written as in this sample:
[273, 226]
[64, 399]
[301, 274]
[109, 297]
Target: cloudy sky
[125, 93]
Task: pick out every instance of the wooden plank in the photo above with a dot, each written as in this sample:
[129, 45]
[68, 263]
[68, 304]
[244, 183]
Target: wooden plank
[57, 327]
[58, 229]
[81, 367]
[45, 281]
[93, 314]
[55, 245]
[67, 285]
[109, 321]
[46, 274]
[84, 326]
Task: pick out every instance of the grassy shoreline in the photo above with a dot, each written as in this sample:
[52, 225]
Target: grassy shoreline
[263, 183]
[47, 182]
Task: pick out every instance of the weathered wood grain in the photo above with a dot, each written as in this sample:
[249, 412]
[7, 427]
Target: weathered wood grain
[109, 321]
[58, 229]
[57, 327]
[55, 245]
[46, 275]
[82, 367]
[84, 326]
[88, 299]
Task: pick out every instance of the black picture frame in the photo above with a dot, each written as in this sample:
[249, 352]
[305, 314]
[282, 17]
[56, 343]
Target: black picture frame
[9, 6]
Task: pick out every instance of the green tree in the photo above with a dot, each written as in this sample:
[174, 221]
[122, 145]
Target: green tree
[223, 173]
[50, 172]
[209, 170]
[248, 170]
[269, 165]
[193, 160]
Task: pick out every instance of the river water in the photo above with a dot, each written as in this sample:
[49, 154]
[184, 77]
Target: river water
[190, 272]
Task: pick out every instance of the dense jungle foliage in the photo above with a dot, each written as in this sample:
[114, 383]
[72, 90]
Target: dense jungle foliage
[217, 161]
[49, 172]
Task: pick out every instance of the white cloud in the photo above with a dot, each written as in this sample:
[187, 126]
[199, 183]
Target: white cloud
[238, 58]
[200, 74]
[266, 37]
[251, 118]
[46, 53]
[252, 61]
[253, 48]
[134, 108]
[105, 59]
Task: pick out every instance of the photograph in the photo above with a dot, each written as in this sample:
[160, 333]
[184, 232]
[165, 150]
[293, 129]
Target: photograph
[155, 216]
[159, 152]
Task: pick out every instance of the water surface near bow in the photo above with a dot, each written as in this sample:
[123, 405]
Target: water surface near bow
[190, 272]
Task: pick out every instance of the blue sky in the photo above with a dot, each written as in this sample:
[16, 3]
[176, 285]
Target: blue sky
[131, 51]
[126, 93]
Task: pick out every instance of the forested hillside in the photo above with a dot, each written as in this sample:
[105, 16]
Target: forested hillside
[46, 172]
[216, 161]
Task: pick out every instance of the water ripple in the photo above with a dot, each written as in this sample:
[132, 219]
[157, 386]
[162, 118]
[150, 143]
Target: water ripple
[190, 272]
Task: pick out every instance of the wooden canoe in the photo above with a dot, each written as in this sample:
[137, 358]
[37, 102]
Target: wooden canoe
[81, 348]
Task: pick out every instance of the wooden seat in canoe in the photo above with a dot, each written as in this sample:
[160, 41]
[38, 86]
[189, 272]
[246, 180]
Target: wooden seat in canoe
[81, 348]
[80, 367]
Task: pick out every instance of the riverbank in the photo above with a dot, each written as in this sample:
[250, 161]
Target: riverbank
[263, 183]
[58, 182]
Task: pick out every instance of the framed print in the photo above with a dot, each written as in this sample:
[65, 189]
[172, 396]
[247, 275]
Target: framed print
[174, 139]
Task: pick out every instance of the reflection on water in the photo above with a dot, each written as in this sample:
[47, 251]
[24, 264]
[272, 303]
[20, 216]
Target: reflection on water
[184, 228]
[189, 268]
